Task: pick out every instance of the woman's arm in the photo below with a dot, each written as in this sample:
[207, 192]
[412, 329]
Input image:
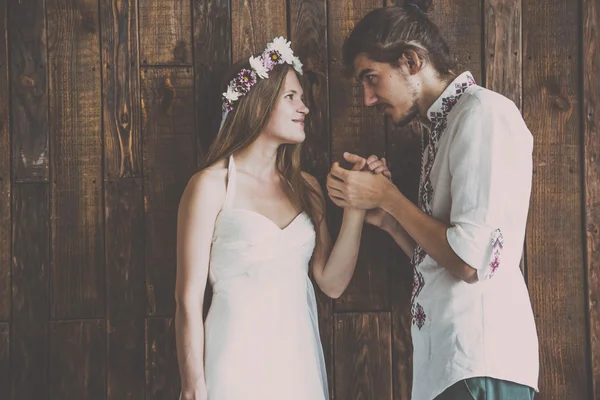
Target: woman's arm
[198, 209]
[333, 266]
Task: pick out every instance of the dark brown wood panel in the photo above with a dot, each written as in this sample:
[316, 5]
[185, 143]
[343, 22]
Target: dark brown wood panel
[212, 59]
[555, 264]
[356, 129]
[120, 89]
[77, 267]
[162, 372]
[4, 356]
[29, 101]
[503, 55]
[461, 23]
[254, 23]
[77, 367]
[363, 356]
[169, 161]
[308, 34]
[30, 294]
[591, 131]
[125, 289]
[165, 32]
[5, 176]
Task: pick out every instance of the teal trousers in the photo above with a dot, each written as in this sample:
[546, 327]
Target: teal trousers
[484, 388]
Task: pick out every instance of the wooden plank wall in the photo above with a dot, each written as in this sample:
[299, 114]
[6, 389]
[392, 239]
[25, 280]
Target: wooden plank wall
[107, 107]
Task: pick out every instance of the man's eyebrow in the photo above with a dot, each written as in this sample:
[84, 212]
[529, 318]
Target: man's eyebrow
[363, 73]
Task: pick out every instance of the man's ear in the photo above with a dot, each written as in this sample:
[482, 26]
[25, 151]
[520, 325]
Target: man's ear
[411, 61]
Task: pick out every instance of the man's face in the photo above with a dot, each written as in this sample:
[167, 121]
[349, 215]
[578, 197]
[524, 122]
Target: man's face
[393, 90]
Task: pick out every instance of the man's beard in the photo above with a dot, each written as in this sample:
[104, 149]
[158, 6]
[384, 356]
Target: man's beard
[409, 116]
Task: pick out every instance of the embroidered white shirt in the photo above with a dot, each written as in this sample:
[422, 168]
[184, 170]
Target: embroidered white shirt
[476, 176]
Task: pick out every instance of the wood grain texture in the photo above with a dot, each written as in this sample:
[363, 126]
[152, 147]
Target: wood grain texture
[212, 59]
[555, 265]
[461, 25]
[5, 175]
[363, 356]
[165, 32]
[29, 100]
[162, 371]
[356, 129]
[77, 360]
[4, 356]
[503, 50]
[308, 34]
[30, 294]
[254, 23]
[591, 129]
[169, 161]
[120, 89]
[77, 267]
[125, 289]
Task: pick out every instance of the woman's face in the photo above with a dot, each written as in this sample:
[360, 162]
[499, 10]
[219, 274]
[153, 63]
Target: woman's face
[287, 119]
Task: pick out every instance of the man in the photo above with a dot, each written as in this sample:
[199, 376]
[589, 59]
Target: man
[473, 330]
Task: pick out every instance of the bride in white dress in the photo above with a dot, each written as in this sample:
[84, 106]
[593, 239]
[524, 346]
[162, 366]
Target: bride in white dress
[251, 223]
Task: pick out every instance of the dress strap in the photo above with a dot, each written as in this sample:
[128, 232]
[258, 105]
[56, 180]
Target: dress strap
[230, 191]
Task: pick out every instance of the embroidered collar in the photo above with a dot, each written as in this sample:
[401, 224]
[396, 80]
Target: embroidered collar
[442, 106]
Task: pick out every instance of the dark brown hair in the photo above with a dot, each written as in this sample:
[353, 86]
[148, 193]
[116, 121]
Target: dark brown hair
[384, 34]
[245, 123]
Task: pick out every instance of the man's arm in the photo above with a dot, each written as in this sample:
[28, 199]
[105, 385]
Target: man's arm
[428, 232]
[361, 189]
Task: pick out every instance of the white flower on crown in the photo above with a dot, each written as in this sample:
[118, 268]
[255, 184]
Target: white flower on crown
[258, 67]
[297, 65]
[283, 48]
[231, 94]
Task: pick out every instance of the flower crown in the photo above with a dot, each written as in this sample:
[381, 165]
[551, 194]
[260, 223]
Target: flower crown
[277, 52]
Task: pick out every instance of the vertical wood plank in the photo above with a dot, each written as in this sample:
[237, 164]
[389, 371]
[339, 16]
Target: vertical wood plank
[125, 289]
[169, 162]
[5, 176]
[30, 294]
[308, 34]
[254, 23]
[75, 107]
[162, 371]
[212, 59]
[356, 129]
[29, 101]
[503, 55]
[591, 106]
[555, 266]
[120, 89]
[165, 32]
[77, 360]
[461, 24]
[363, 356]
[4, 356]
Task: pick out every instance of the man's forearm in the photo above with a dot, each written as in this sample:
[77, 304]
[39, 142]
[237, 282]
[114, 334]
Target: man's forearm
[399, 234]
[428, 232]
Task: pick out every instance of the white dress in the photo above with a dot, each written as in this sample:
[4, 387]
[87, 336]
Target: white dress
[261, 333]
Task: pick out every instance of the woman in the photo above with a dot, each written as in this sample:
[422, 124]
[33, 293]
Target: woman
[250, 223]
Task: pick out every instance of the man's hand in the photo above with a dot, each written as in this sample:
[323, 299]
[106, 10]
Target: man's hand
[358, 189]
[376, 216]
